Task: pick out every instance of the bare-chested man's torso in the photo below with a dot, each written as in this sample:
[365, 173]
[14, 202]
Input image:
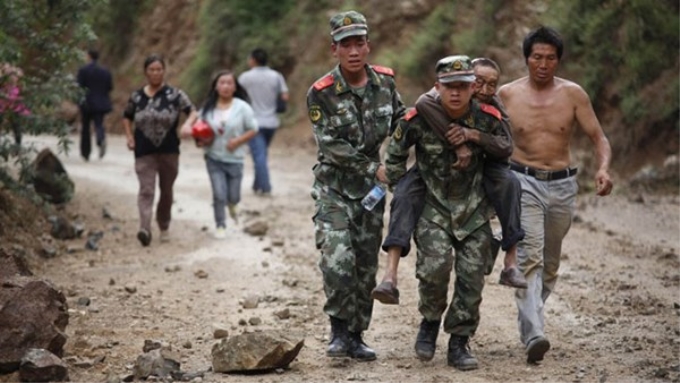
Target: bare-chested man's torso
[543, 121]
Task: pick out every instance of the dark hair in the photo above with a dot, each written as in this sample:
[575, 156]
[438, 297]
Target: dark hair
[213, 96]
[260, 56]
[152, 59]
[487, 62]
[93, 53]
[543, 35]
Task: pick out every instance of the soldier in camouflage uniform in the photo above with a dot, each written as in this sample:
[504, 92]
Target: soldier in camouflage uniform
[353, 109]
[456, 213]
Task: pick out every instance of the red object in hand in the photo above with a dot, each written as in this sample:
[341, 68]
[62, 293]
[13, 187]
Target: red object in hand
[202, 131]
[202, 134]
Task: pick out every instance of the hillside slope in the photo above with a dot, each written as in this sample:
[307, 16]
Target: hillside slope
[198, 37]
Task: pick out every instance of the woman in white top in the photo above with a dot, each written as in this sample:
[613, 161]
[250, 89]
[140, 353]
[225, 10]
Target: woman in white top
[232, 120]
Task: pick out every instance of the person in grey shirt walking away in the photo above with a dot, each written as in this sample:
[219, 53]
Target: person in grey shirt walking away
[264, 86]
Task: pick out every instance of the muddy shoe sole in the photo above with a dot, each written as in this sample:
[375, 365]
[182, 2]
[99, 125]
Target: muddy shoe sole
[537, 349]
[386, 294]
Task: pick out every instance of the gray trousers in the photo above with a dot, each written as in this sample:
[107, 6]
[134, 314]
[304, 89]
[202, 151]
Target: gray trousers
[547, 211]
[225, 179]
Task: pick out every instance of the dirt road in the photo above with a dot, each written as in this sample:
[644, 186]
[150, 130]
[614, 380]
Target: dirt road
[613, 317]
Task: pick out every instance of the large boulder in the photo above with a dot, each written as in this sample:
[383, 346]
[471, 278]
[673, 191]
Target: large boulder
[50, 178]
[255, 352]
[33, 314]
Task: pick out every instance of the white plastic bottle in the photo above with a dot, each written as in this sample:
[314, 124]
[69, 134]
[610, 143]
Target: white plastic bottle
[373, 197]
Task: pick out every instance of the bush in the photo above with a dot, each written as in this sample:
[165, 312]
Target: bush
[42, 38]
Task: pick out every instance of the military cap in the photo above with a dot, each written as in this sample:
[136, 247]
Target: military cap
[346, 24]
[455, 68]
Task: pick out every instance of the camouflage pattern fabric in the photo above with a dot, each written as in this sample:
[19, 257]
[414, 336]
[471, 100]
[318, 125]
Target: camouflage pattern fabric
[455, 200]
[433, 270]
[349, 238]
[349, 128]
[456, 217]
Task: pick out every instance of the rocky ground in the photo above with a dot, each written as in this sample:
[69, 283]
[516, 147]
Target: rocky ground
[613, 317]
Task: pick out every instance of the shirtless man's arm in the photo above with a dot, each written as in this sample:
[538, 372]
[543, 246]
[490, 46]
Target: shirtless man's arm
[585, 115]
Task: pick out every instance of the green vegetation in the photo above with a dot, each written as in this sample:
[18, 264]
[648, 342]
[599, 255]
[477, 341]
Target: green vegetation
[42, 38]
[229, 30]
[115, 23]
[625, 45]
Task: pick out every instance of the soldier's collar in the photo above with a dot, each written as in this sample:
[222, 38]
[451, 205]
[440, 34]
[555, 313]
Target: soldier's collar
[341, 86]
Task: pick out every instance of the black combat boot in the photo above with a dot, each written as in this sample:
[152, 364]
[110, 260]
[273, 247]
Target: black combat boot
[459, 354]
[340, 341]
[426, 341]
[358, 349]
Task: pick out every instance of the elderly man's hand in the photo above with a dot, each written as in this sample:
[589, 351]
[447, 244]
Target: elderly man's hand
[464, 155]
[457, 135]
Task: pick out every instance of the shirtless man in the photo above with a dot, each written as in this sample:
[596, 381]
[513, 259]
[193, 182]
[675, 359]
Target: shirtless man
[545, 111]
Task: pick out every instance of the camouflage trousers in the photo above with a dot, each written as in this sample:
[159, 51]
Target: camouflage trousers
[434, 264]
[349, 239]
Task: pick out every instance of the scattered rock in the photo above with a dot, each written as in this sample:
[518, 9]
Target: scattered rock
[93, 240]
[50, 178]
[83, 301]
[282, 314]
[290, 282]
[188, 376]
[265, 264]
[33, 315]
[278, 242]
[187, 345]
[61, 228]
[250, 302]
[220, 331]
[255, 321]
[112, 282]
[152, 344]
[48, 251]
[242, 322]
[158, 362]
[131, 289]
[106, 214]
[257, 228]
[172, 269]
[255, 352]
[201, 274]
[39, 365]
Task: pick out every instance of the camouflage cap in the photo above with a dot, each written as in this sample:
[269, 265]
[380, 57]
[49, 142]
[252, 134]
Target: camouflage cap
[346, 24]
[455, 68]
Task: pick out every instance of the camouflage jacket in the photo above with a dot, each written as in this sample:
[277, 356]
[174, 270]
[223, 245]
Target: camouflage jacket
[496, 147]
[455, 200]
[349, 128]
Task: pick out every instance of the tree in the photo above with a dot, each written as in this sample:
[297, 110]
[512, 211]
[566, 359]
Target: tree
[42, 38]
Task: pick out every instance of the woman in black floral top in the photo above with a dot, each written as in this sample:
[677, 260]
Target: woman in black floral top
[154, 110]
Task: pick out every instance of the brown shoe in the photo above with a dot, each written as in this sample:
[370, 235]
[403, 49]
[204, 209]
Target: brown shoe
[513, 277]
[386, 293]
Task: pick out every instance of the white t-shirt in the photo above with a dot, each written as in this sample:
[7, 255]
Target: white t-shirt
[263, 85]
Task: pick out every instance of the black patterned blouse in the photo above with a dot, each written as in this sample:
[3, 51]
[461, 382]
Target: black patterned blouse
[155, 119]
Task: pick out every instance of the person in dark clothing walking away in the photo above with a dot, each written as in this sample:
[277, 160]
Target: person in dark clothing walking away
[97, 83]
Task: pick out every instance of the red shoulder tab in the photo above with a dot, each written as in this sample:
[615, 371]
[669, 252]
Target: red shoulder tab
[410, 114]
[324, 82]
[488, 109]
[383, 70]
